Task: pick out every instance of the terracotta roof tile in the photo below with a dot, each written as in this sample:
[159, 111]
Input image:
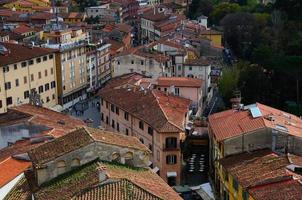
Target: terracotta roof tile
[22, 29]
[116, 190]
[60, 146]
[21, 191]
[20, 53]
[165, 113]
[257, 168]
[10, 169]
[289, 190]
[232, 123]
[116, 139]
[61, 123]
[179, 82]
[144, 178]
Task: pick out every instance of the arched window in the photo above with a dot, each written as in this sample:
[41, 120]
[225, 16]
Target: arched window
[115, 157]
[61, 167]
[75, 163]
[129, 158]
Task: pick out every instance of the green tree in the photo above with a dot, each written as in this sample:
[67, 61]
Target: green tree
[240, 33]
[222, 9]
[200, 7]
[228, 82]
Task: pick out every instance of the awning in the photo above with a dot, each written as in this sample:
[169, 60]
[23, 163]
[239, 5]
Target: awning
[155, 169]
[171, 174]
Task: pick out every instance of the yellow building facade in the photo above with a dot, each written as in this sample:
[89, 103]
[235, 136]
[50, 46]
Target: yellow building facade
[24, 71]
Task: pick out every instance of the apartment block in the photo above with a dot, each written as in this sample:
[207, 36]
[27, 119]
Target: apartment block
[28, 74]
[157, 119]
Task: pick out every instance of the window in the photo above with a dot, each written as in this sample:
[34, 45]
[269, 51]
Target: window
[50, 56]
[40, 89]
[165, 89]
[117, 126]
[179, 67]
[39, 75]
[30, 62]
[142, 140]
[51, 71]
[17, 82]
[53, 84]
[190, 68]
[118, 62]
[45, 72]
[7, 86]
[32, 77]
[15, 66]
[171, 142]
[117, 110]
[107, 105]
[126, 116]
[102, 116]
[150, 147]
[127, 131]
[61, 167]
[44, 58]
[142, 62]
[245, 195]
[46, 86]
[235, 185]
[23, 64]
[112, 108]
[9, 101]
[47, 99]
[53, 96]
[38, 60]
[132, 62]
[177, 91]
[5, 69]
[150, 130]
[0, 104]
[26, 94]
[141, 125]
[107, 120]
[25, 79]
[171, 159]
[113, 124]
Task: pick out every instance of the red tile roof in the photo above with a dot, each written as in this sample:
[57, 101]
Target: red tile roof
[165, 113]
[18, 53]
[179, 82]
[119, 189]
[10, 169]
[257, 168]
[21, 191]
[289, 190]
[23, 29]
[231, 123]
[116, 139]
[60, 146]
[59, 122]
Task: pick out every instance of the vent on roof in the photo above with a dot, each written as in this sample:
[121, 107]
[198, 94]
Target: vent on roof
[281, 128]
[270, 118]
[62, 122]
[3, 50]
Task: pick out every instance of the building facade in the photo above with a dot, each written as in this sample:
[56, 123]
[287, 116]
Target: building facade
[28, 74]
[147, 116]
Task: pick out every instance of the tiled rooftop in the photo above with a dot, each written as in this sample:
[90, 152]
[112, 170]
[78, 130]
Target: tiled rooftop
[231, 123]
[258, 168]
[18, 53]
[60, 146]
[179, 82]
[165, 113]
[10, 169]
[122, 189]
